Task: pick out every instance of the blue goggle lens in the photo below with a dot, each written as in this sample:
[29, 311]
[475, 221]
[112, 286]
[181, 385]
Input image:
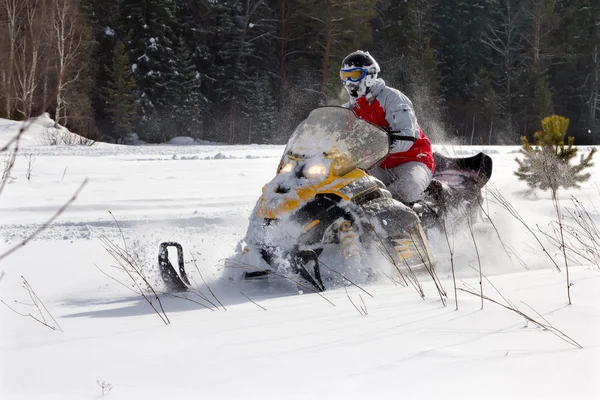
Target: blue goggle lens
[352, 74]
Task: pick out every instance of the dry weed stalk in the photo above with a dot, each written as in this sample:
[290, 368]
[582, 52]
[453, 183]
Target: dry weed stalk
[408, 275]
[585, 232]
[129, 264]
[105, 386]
[30, 161]
[406, 271]
[362, 310]
[426, 261]
[216, 303]
[7, 166]
[451, 251]
[514, 309]
[559, 220]
[575, 253]
[134, 272]
[509, 252]
[59, 136]
[39, 306]
[252, 301]
[469, 218]
[502, 201]
[345, 278]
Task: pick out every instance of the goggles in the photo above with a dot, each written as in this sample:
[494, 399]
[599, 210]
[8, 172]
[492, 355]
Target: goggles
[352, 74]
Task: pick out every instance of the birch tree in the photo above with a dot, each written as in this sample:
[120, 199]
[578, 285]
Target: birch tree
[11, 10]
[68, 38]
[29, 55]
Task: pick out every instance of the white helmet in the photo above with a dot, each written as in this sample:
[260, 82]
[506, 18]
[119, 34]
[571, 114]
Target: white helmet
[358, 73]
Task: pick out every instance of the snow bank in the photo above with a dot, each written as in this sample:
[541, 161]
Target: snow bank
[181, 141]
[39, 131]
[189, 141]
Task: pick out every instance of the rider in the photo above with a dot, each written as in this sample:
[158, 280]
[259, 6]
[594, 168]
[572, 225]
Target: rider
[408, 168]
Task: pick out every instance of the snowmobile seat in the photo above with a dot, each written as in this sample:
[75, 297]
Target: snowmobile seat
[461, 172]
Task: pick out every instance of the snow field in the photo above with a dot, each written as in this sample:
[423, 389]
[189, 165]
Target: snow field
[302, 345]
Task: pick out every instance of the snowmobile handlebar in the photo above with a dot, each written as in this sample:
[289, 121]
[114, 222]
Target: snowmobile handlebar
[394, 135]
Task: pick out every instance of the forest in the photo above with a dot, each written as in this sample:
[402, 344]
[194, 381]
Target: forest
[480, 72]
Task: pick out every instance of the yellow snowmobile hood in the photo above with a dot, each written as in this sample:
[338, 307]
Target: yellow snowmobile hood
[274, 204]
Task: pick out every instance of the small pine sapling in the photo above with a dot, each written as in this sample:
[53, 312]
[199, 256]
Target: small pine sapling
[547, 165]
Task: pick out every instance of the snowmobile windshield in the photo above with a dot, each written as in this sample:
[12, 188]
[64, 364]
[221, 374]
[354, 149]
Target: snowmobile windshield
[338, 134]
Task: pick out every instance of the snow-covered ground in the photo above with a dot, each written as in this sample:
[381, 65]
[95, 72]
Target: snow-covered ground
[281, 344]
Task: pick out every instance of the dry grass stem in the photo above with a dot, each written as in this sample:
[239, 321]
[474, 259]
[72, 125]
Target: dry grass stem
[128, 264]
[405, 272]
[501, 200]
[36, 302]
[585, 232]
[469, 219]
[253, 302]
[509, 252]
[207, 285]
[428, 265]
[451, 251]
[197, 292]
[345, 278]
[105, 386]
[363, 309]
[512, 308]
[559, 219]
[183, 296]
[30, 161]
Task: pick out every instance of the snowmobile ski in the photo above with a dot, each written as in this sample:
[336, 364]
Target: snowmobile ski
[174, 281]
[307, 277]
[303, 258]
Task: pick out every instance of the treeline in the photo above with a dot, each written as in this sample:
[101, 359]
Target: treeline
[247, 71]
[45, 61]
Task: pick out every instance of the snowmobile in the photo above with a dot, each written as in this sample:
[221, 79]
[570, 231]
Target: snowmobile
[323, 205]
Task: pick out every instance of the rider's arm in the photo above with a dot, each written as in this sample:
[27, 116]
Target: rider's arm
[400, 114]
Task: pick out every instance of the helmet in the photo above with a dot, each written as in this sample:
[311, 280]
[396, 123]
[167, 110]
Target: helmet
[358, 73]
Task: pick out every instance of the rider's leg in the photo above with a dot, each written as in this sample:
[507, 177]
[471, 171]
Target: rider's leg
[406, 182]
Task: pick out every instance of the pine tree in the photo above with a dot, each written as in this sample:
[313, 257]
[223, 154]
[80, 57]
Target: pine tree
[259, 66]
[187, 104]
[150, 36]
[536, 95]
[344, 27]
[106, 29]
[547, 166]
[196, 26]
[533, 100]
[244, 70]
[121, 95]
[575, 70]
[460, 28]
